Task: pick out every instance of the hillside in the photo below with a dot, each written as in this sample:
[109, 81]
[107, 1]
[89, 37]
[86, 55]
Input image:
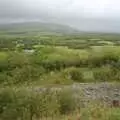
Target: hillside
[27, 27]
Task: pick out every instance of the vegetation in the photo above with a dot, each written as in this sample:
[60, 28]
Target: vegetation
[29, 105]
[55, 59]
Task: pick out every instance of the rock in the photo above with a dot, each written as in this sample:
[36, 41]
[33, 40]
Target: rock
[115, 103]
[106, 92]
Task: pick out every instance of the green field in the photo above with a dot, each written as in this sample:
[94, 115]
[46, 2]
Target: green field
[42, 57]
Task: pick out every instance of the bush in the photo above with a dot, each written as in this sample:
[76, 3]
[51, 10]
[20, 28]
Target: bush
[26, 105]
[74, 74]
[3, 61]
[104, 55]
[27, 73]
[30, 104]
[104, 74]
[66, 102]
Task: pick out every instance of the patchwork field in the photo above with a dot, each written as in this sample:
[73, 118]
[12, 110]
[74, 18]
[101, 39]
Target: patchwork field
[59, 76]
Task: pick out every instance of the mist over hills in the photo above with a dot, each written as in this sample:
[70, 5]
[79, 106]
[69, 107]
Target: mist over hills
[84, 16]
[68, 25]
[38, 27]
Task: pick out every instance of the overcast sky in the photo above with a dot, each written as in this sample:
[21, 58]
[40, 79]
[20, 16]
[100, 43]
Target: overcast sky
[77, 8]
[67, 10]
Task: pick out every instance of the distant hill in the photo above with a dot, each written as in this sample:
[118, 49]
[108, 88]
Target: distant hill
[37, 27]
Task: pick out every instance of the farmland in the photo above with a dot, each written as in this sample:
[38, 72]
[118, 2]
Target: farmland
[31, 62]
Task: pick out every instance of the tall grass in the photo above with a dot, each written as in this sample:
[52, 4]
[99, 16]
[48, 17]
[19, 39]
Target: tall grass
[29, 104]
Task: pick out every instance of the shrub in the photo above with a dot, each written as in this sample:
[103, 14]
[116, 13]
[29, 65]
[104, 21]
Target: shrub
[74, 74]
[3, 61]
[104, 74]
[26, 105]
[104, 55]
[66, 102]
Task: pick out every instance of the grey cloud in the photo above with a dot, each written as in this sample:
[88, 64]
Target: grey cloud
[83, 14]
[21, 9]
[74, 8]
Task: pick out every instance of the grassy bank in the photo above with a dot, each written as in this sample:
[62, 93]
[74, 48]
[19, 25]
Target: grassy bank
[29, 104]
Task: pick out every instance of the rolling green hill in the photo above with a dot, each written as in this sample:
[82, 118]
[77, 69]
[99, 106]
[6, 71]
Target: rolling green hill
[33, 27]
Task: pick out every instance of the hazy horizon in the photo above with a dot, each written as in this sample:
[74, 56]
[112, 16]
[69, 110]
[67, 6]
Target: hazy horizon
[87, 15]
